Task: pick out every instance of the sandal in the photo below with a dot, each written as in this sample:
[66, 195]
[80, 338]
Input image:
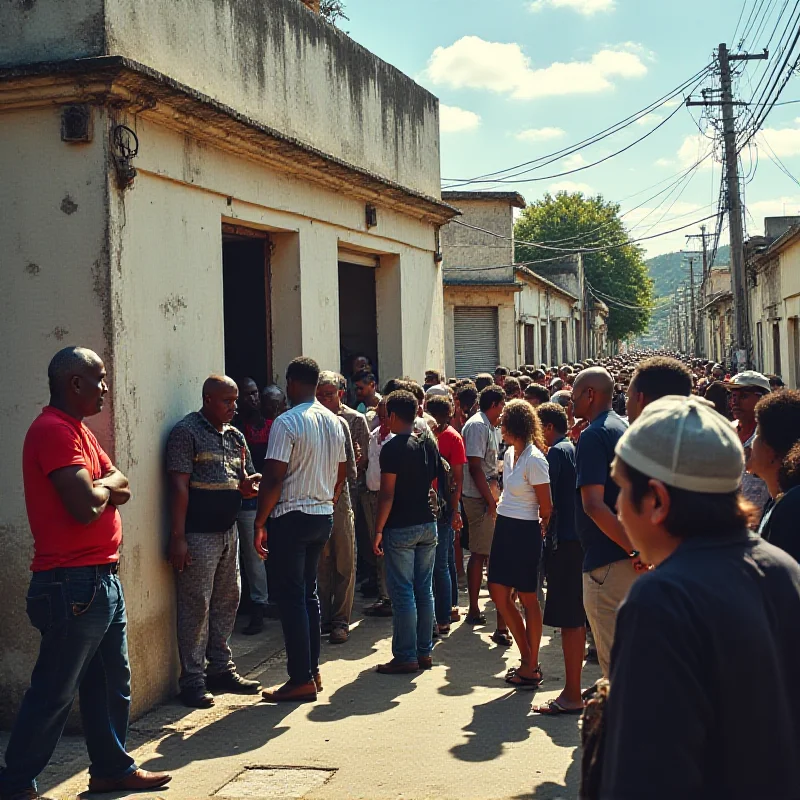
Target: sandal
[521, 682]
[503, 638]
[554, 708]
[513, 672]
[443, 630]
[475, 619]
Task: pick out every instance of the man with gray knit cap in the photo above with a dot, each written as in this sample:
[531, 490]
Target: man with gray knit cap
[718, 606]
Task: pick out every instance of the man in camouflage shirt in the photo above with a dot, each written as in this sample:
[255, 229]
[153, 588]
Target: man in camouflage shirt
[210, 471]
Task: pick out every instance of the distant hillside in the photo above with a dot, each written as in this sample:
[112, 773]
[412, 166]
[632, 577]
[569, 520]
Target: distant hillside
[668, 272]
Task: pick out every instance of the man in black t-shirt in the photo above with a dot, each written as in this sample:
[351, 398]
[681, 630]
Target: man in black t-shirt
[405, 534]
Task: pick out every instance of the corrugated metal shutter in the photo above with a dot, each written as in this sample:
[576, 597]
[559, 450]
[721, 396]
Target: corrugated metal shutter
[476, 340]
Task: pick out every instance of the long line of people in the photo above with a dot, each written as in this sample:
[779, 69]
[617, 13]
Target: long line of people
[620, 485]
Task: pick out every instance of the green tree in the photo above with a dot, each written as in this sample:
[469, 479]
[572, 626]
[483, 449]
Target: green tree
[573, 221]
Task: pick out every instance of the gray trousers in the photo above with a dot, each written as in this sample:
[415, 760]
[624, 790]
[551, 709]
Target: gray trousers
[336, 574]
[369, 502]
[252, 564]
[208, 596]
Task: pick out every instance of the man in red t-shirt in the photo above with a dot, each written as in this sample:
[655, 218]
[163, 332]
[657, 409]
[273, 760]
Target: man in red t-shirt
[72, 491]
[445, 575]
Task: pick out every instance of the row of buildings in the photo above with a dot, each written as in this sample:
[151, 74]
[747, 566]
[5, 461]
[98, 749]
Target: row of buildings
[189, 188]
[500, 312]
[773, 303]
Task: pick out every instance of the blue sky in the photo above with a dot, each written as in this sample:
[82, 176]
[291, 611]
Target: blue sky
[519, 79]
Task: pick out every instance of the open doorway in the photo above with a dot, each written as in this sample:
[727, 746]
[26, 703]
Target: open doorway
[246, 293]
[358, 315]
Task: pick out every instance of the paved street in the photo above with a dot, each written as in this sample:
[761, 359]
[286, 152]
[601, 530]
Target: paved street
[456, 732]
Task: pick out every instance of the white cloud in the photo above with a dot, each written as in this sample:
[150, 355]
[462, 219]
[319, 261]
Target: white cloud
[585, 7]
[571, 187]
[785, 142]
[665, 162]
[788, 206]
[695, 147]
[673, 103]
[574, 161]
[474, 63]
[453, 119]
[541, 134]
[650, 119]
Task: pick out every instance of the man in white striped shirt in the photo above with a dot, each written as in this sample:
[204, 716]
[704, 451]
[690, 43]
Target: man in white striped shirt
[305, 467]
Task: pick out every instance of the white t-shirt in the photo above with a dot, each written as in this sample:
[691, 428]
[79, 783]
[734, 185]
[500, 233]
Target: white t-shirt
[518, 499]
[311, 440]
[374, 464]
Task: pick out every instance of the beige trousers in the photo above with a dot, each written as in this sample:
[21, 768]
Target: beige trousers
[604, 589]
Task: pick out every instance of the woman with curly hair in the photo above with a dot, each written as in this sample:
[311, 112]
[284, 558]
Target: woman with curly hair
[522, 517]
[776, 460]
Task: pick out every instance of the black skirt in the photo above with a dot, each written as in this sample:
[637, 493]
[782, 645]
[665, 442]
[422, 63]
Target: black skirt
[516, 553]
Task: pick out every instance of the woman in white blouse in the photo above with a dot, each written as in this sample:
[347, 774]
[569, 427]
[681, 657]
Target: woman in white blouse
[523, 514]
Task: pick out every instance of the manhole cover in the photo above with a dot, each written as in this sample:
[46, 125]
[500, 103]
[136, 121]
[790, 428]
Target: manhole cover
[275, 783]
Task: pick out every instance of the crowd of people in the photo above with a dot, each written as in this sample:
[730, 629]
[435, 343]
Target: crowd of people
[651, 496]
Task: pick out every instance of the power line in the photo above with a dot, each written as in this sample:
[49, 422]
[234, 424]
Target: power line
[516, 179]
[575, 251]
[611, 130]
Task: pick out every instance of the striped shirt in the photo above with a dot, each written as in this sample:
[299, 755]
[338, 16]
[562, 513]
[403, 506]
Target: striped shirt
[311, 440]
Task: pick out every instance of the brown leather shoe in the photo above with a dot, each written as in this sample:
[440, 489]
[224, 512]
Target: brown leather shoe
[136, 781]
[339, 635]
[395, 667]
[318, 682]
[425, 662]
[292, 693]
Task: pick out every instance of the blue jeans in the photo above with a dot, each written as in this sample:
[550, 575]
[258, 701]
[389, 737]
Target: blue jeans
[80, 613]
[453, 570]
[410, 554]
[442, 576]
[295, 543]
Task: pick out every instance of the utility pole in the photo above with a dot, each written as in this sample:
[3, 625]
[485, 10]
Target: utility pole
[742, 337]
[692, 306]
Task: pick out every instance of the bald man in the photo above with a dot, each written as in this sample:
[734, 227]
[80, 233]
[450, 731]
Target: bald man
[72, 493]
[609, 560]
[210, 472]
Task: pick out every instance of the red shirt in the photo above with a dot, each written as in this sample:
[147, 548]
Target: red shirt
[57, 440]
[451, 446]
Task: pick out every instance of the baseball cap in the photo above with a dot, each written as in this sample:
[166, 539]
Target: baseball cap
[685, 443]
[747, 379]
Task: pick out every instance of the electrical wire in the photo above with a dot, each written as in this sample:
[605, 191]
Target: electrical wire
[586, 249]
[594, 139]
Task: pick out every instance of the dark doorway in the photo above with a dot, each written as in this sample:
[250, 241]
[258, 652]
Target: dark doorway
[245, 292]
[358, 315]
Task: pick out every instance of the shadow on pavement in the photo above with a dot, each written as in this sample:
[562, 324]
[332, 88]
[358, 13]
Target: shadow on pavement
[241, 731]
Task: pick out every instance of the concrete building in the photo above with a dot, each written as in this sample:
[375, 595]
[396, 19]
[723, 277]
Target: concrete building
[479, 283]
[499, 312]
[717, 310]
[774, 295]
[189, 188]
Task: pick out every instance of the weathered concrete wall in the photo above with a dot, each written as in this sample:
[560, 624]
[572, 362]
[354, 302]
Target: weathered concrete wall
[537, 305]
[273, 61]
[55, 292]
[138, 277]
[167, 291]
[468, 249]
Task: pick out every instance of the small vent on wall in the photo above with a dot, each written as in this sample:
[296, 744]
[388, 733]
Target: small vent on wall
[76, 124]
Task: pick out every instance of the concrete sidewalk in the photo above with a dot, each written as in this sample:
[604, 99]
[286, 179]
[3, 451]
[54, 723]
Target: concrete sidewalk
[454, 732]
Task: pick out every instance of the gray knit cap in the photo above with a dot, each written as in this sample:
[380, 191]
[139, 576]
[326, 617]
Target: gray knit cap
[683, 442]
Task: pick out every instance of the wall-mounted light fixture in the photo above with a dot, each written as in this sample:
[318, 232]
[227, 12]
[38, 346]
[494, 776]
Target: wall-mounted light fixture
[124, 148]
